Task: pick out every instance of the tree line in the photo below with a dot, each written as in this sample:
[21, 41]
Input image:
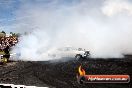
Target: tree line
[3, 34]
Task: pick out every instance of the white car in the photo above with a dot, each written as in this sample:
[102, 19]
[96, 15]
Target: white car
[67, 52]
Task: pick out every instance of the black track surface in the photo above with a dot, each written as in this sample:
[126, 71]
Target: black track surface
[63, 74]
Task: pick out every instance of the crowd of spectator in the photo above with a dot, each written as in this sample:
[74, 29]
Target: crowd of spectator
[7, 41]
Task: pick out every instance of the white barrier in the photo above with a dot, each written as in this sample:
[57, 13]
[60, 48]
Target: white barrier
[19, 86]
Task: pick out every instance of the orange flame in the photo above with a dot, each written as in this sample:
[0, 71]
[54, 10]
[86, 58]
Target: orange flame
[81, 71]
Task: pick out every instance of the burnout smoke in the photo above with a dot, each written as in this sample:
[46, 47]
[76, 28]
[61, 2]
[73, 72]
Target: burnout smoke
[104, 27]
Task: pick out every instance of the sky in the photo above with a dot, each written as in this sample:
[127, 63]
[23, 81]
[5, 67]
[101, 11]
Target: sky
[8, 9]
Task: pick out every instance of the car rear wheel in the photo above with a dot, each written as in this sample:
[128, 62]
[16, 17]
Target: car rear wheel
[78, 57]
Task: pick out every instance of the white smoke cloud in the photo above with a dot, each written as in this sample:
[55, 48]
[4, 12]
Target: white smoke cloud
[112, 7]
[104, 29]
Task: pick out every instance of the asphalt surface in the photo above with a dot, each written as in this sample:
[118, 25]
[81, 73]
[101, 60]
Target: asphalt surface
[63, 74]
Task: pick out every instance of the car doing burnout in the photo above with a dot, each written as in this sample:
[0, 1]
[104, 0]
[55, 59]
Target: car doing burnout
[69, 52]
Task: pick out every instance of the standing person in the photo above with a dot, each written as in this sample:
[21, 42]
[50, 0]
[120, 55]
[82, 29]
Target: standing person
[7, 53]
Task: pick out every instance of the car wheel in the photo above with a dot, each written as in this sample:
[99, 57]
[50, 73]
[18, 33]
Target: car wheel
[78, 57]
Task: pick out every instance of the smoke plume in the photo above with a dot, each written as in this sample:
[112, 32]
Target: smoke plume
[103, 27]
